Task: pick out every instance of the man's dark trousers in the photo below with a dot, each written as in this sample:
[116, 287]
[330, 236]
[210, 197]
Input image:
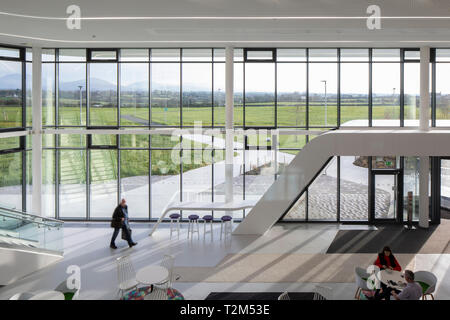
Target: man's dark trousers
[126, 233]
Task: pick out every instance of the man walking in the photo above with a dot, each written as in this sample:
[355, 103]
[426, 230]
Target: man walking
[120, 221]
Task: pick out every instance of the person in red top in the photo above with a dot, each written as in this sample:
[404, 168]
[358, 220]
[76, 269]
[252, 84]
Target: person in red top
[386, 260]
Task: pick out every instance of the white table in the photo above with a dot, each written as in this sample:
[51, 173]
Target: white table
[48, 295]
[396, 276]
[152, 274]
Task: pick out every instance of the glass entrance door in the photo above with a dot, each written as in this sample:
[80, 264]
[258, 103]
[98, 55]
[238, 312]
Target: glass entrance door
[386, 189]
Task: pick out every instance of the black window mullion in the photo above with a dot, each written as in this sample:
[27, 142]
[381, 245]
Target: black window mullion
[433, 88]
[307, 92]
[338, 102]
[370, 88]
[181, 88]
[118, 90]
[402, 87]
[149, 91]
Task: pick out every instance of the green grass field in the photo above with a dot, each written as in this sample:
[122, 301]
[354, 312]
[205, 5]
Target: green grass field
[136, 163]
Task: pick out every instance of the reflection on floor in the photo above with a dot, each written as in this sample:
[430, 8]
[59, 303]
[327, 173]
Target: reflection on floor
[289, 257]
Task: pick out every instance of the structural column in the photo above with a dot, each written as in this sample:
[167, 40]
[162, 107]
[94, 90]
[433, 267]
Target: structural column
[229, 122]
[424, 164]
[37, 131]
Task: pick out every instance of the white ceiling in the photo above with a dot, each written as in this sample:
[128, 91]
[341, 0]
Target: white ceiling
[318, 32]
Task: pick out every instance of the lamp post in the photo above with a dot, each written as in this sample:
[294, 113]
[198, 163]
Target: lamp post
[81, 105]
[325, 83]
[81, 117]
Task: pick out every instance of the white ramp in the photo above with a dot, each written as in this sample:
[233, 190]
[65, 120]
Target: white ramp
[305, 166]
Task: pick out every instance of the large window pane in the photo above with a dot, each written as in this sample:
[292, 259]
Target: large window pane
[219, 94]
[411, 184]
[259, 94]
[165, 102]
[103, 186]
[259, 172]
[103, 94]
[443, 94]
[197, 88]
[445, 184]
[134, 179]
[165, 180]
[72, 183]
[11, 179]
[10, 94]
[238, 94]
[323, 94]
[354, 94]
[386, 94]
[354, 189]
[291, 94]
[298, 210]
[48, 94]
[72, 94]
[322, 194]
[28, 96]
[412, 93]
[134, 104]
[48, 183]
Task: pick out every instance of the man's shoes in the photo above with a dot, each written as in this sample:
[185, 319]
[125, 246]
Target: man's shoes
[112, 246]
[132, 244]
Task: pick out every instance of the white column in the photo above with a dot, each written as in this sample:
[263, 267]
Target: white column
[424, 88]
[37, 132]
[424, 163]
[229, 122]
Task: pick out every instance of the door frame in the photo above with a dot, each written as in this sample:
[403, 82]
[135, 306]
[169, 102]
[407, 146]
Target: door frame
[399, 215]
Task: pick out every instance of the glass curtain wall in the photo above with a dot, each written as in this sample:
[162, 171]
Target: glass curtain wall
[13, 156]
[442, 93]
[293, 88]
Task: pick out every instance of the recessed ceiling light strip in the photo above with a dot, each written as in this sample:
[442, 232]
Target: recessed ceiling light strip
[220, 41]
[18, 15]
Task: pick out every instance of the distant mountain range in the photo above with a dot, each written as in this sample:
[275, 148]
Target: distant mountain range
[14, 81]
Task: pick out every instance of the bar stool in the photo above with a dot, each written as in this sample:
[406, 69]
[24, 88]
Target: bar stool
[175, 222]
[193, 220]
[206, 219]
[226, 226]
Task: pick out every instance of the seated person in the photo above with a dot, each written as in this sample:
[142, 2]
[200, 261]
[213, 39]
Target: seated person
[412, 291]
[386, 260]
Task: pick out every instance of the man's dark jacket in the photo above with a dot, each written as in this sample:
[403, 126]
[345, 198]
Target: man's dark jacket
[117, 216]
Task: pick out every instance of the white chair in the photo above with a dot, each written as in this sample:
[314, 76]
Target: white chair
[22, 296]
[126, 275]
[361, 283]
[62, 287]
[284, 296]
[159, 292]
[429, 279]
[323, 293]
[175, 223]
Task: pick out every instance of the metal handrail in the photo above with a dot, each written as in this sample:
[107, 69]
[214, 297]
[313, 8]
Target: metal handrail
[31, 218]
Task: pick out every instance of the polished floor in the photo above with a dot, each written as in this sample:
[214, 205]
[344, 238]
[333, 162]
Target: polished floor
[86, 245]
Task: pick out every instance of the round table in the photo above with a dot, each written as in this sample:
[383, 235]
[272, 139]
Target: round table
[152, 274]
[48, 295]
[396, 276]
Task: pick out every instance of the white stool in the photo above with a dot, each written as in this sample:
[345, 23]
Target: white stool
[226, 226]
[206, 219]
[193, 221]
[175, 223]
